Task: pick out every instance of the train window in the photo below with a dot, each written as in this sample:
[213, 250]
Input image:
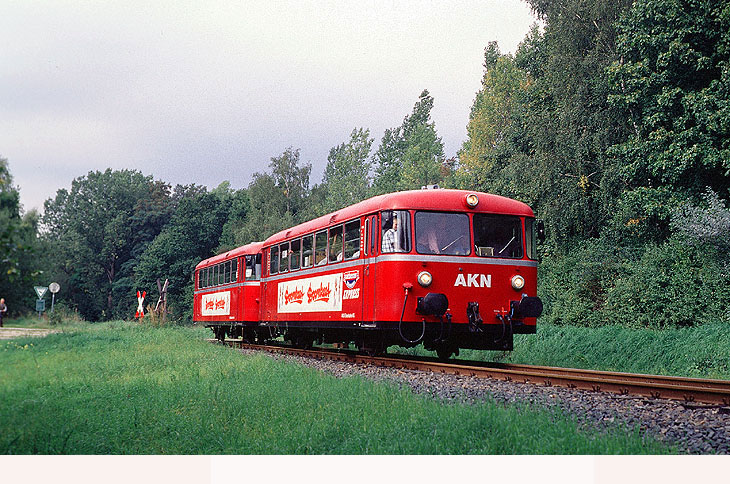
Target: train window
[221, 274]
[227, 272]
[274, 255]
[367, 237]
[234, 270]
[296, 250]
[253, 269]
[442, 233]
[320, 248]
[352, 240]
[498, 235]
[335, 242]
[396, 228]
[206, 277]
[307, 251]
[215, 276]
[373, 235]
[531, 238]
[284, 257]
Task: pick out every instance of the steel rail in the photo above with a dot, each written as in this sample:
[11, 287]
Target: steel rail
[697, 390]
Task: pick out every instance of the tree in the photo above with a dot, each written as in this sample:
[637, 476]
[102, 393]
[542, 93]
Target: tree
[347, 175]
[491, 118]
[191, 236]
[412, 154]
[291, 178]
[550, 136]
[99, 230]
[19, 247]
[673, 84]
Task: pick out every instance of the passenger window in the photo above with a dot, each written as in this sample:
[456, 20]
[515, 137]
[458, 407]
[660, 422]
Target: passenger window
[284, 257]
[296, 246]
[352, 240]
[215, 275]
[307, 251]
[221, 274]
[396, 230]
[320, 248]
[257, 267]
[335, 242]
[234, 270]
[227, 273]
[274, 261]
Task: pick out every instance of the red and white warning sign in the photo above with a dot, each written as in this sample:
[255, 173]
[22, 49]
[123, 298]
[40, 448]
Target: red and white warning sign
[140, 308]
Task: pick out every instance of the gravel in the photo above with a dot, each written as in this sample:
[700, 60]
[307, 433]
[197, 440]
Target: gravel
[693, 429]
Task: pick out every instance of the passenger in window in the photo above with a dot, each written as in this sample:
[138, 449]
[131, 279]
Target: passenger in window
[390, 236]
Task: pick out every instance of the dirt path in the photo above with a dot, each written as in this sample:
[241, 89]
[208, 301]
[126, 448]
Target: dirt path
[10, 333]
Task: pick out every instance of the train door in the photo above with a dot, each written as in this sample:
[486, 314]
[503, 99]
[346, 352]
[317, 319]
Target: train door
[372, 229]
[252, 286]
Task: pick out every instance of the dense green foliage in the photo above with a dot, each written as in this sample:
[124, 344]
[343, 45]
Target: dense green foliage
[126, 389]
[19, 247]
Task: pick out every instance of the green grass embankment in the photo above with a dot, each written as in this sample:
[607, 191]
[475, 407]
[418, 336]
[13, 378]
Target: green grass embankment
[124, 389]
[702, 351]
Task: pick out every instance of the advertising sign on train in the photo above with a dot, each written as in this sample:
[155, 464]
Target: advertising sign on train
[313, 294]
[215, 304]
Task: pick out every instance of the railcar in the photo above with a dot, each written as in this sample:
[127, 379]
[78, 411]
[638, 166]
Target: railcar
[228, 290]
[448, 269]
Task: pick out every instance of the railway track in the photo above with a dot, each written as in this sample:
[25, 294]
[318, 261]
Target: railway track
[690, 390]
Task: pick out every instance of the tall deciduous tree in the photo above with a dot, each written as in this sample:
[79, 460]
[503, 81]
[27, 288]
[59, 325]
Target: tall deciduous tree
[99, 230]
[412, 154]
[347, 174]
[491, 118]
[291, 178]
[19, 247]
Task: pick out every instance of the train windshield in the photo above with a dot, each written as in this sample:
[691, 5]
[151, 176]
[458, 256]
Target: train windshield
[498, 236]
[442, 233]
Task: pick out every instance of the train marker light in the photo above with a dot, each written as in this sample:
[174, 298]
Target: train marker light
[518, 282]
[472, 200]
[425, 278]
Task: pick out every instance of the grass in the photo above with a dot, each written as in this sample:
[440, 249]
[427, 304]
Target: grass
[121, 388]
[702, 351]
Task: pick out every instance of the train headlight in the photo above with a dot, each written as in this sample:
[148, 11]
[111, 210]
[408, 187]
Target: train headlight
[472, 200]
[518, 282]
[425, 278]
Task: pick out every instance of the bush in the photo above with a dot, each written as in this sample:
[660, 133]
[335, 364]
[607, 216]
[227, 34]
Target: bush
[662, 285]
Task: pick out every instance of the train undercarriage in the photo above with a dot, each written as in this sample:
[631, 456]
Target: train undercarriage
[443, 337]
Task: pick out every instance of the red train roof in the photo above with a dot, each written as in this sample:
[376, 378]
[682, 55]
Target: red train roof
[435, 199]
[248, 249]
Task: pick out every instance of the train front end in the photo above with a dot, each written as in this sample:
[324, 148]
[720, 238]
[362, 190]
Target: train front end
[470, 278]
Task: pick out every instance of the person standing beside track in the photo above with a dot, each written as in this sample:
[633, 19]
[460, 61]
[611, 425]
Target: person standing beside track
[3, 310]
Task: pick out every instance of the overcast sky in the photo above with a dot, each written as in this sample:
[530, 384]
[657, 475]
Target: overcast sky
[202, 92]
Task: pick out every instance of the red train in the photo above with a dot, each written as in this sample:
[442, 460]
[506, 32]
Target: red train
[446, 268]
